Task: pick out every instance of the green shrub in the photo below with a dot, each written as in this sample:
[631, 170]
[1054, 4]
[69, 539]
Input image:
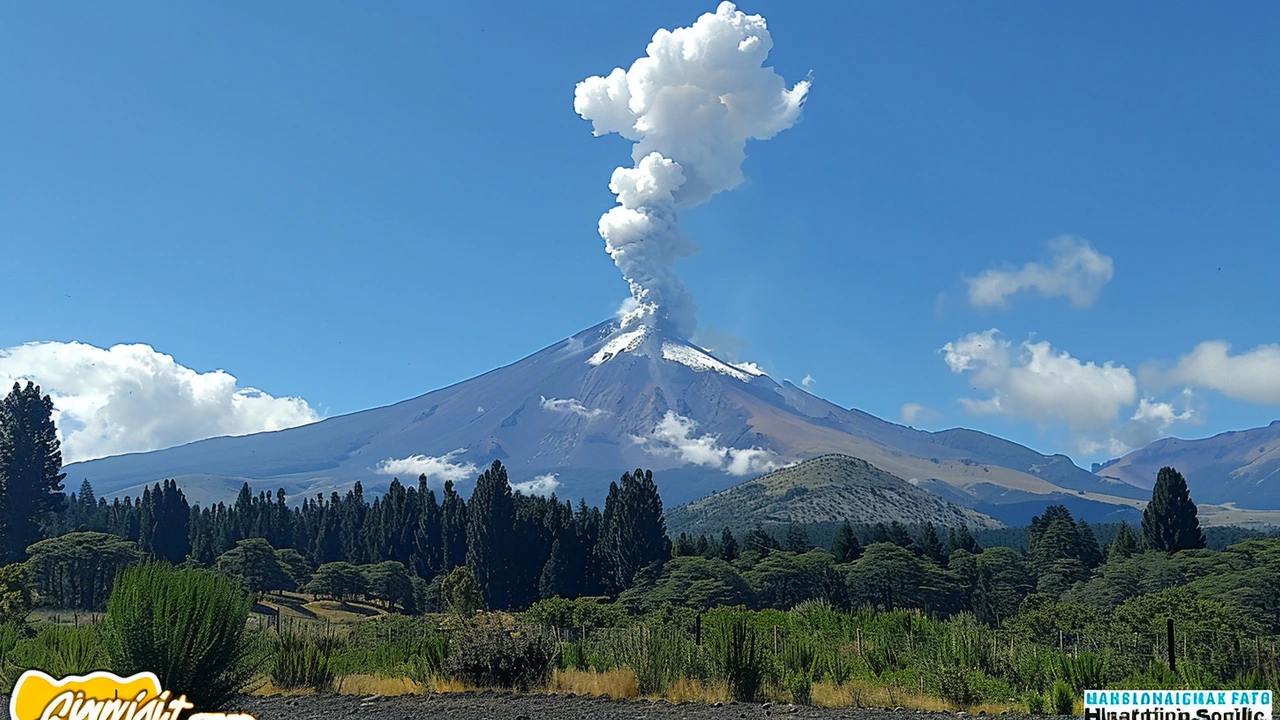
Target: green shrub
[736, 650]
[1085, 671]
[1062, 698]
[58, 651]
[657, 657]
[837, 666]
[394, 645]
[9, 636]
[186, 626]
[798, 662]
[954, 687]
[497, 658]
[573, 656]
[584, 612]
[1035, 704]
[297, 662]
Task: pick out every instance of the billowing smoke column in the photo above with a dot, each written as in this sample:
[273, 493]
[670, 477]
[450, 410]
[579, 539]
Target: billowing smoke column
[690, 105]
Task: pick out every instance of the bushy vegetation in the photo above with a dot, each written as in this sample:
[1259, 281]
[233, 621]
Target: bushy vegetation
[186, 626]
[297, 661]
[500, 659]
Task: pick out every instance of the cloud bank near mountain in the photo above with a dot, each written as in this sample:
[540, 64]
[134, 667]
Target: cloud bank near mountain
[132, 398]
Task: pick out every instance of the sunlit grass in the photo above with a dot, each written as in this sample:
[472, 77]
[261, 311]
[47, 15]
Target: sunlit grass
[621, 683]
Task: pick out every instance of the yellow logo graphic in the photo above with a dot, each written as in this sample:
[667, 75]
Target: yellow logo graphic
[100, 696]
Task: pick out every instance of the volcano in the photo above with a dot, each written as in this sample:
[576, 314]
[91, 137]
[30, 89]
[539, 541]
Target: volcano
[575, 415]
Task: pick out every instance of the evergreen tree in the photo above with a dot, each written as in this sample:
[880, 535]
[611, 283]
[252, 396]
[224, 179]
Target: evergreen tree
[428, 560]
[728, 546]
[634, 533]
[1090, 553]
[845, 546]
[684, 546]
[930, 545]
[760, 541]
[30, 469]
[1124, 545]
[1171, 523]
[898, 535]
[453, 529]
[961, 539]
[87, 496]
[797, 541]
[491, 536]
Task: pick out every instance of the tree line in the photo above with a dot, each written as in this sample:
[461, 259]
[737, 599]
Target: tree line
[401, 548]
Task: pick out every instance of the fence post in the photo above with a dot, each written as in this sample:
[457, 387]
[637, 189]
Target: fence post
[1173, 661]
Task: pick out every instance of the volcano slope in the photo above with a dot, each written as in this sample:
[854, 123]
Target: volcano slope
[575, 415]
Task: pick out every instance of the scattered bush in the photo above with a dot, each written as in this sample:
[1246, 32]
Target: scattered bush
[954, 686]
[297, 662]
[1085, 671]
[186, 626]
[59, 651]
[1035, 704]
[497, 658]
[1062, 699]
[735, 647]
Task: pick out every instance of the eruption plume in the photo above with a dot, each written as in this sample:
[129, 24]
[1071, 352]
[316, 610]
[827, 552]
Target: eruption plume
[689, 105]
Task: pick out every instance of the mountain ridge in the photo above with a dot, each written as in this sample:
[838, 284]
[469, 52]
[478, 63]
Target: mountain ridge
[603, 400]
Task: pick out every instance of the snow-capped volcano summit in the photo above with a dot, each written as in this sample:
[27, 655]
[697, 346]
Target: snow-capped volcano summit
[575, 415]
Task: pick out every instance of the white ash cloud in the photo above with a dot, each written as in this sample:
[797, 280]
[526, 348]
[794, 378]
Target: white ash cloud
[689, 105]
[131, 398]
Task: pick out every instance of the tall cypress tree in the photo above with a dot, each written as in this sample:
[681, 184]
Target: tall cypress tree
[30, 468]
[453, 529]
[491, 519]
[428, 539]
[1170, 522]
[634, 533]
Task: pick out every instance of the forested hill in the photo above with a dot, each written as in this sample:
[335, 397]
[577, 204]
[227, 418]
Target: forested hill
[827, 489]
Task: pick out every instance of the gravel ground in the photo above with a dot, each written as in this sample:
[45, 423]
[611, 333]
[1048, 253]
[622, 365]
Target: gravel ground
[496, 706]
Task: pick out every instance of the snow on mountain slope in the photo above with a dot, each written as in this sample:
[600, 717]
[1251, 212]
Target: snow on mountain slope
[575, 415]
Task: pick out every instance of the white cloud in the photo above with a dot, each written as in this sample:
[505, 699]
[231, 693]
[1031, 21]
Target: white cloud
[674, 435]
[1151, 421]
[1033, 381]
[808, 382]
[543, 485]
[1077, 272]
[440, 468]
[569, 406]
[131, 398]
[915, 412]
[1252, 376]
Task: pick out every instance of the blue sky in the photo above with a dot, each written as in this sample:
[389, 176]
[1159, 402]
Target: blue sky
[356, 205]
